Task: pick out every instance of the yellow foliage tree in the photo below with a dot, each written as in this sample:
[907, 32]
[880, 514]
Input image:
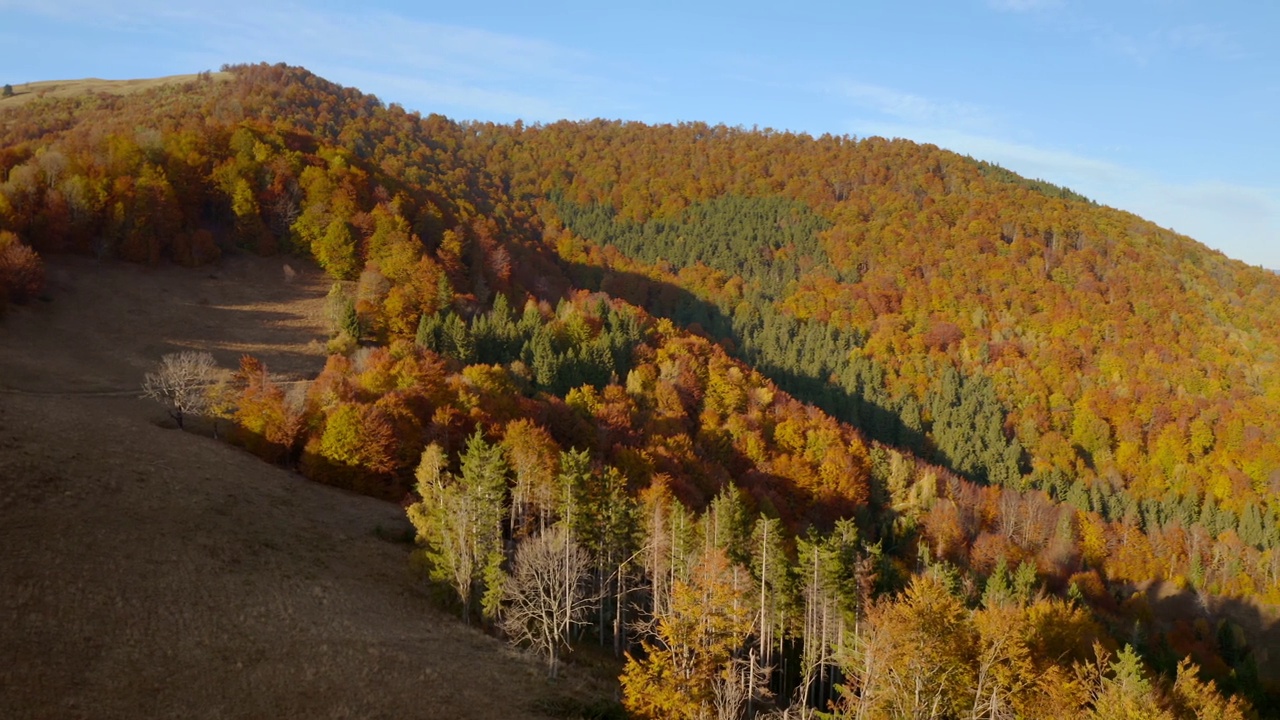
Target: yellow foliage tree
[698, 647]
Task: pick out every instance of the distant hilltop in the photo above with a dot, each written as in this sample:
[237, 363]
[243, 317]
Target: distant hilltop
[24, 92]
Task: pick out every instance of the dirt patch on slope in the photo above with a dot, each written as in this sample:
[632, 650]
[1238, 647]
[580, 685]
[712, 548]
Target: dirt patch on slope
[148, 572]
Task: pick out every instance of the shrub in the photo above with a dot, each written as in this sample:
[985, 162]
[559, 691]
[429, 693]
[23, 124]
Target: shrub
[21, 270]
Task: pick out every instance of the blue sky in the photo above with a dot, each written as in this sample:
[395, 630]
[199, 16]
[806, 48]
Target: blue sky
[1166, 108]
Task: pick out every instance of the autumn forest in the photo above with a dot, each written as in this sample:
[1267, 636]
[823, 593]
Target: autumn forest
[790, 426]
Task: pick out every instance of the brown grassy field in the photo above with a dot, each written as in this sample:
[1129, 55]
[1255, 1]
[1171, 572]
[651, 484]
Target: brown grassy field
[26, 92]
[149, 572]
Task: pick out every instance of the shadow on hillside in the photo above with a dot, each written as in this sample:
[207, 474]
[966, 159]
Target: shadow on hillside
[108, 323]
[877, 421]
[229, 332]
[1245, 633]
[242, 305]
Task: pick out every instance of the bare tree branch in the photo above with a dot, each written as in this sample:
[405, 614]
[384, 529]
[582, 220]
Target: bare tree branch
[181, 383]
[547, 592]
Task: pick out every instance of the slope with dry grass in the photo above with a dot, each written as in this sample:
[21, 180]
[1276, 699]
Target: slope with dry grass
[26, 92]
[149, 572]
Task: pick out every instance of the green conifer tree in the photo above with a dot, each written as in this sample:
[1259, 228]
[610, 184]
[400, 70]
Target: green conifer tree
[998, 590]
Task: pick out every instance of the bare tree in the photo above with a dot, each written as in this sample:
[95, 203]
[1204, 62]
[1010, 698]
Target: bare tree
[181, 383]
[741, 685]
[548, 593]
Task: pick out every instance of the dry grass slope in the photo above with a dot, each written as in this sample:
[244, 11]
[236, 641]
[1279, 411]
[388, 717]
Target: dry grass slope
[26, 92]
[148, 572]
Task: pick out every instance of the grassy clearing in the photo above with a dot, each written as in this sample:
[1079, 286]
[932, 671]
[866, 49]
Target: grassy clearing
[26, 92]
[149, 572]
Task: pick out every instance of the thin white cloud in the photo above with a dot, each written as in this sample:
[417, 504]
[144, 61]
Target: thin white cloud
[1142, 38]
[1153, 45]
[1022, 6]
[1213, 41]
[1118, 43]
[909, 107]
[1146, 40]
[1241, 221]
[66, 9]
[486, 102]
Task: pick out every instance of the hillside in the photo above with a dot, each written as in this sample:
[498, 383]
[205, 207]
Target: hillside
[912, 379]
[151, 572]
[26, 92]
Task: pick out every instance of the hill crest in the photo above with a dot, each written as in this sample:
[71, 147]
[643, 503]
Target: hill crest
[26, 92]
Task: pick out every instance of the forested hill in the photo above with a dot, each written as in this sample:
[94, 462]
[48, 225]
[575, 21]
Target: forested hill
[1129, 369]
[977, 370]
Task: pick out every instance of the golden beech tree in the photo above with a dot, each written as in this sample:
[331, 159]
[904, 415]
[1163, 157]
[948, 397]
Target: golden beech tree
[1201, 700]
[532, 456]
[358, 436]
[697, 652]
[915, 656]
[1005, 668]
[266, 423]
